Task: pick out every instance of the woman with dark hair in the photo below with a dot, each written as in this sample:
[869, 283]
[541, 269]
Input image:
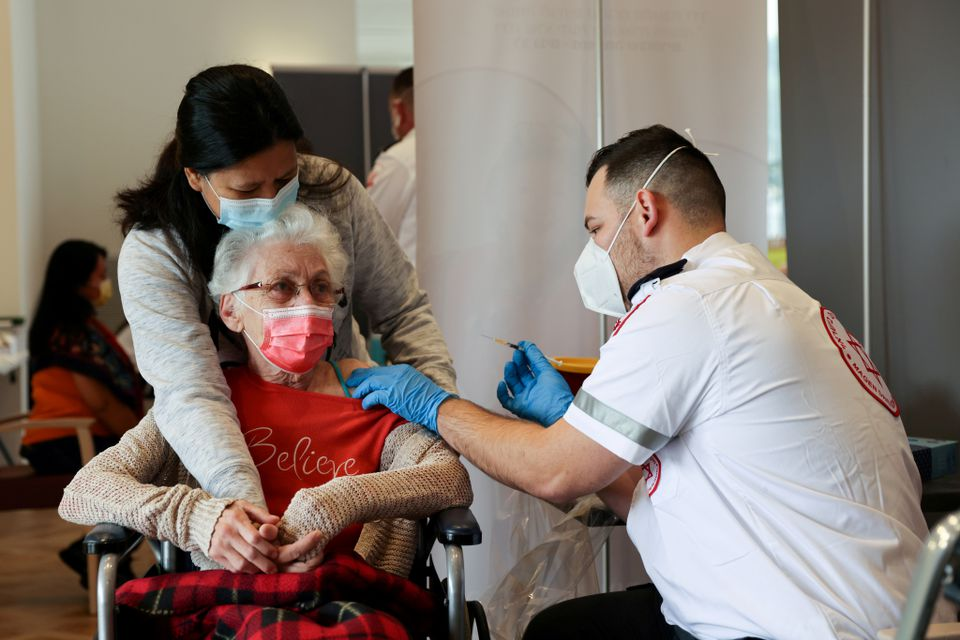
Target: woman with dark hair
[77, 367]
[233, 163]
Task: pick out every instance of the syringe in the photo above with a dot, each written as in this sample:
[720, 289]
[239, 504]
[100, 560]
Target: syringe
[514, 345]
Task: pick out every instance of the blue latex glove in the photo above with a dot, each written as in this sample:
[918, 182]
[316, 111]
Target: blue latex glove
[531, 388]
[403, 390]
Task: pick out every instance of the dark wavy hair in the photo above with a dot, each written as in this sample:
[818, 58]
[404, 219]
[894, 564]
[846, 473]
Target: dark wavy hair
[227, 114]
[61, 306]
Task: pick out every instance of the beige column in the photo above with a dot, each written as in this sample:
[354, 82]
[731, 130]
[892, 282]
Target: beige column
[9, 251]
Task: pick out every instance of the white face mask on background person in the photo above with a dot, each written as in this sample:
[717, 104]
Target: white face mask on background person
[595, 272]
[255, 212]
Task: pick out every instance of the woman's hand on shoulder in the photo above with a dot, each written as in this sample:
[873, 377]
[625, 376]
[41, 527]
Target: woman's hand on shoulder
[349, 365]
[243, 539]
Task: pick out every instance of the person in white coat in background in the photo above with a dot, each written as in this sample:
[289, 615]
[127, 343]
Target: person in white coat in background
[392, 183]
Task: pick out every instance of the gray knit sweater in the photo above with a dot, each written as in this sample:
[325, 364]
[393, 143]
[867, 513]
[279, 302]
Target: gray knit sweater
[167, 306]
[141, 484]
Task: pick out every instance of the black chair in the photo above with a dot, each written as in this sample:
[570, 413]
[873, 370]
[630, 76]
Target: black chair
[454, 528]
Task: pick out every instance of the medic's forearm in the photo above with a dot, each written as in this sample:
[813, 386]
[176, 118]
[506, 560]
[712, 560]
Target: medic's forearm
[618, 495]
[515, 452]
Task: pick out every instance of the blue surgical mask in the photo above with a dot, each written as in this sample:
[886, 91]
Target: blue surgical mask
[256, 212]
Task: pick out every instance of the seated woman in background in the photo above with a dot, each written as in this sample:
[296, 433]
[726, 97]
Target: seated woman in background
[77, 368]
[344, 479]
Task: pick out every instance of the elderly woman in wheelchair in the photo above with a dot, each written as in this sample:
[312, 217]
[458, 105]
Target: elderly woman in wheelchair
[337, 479]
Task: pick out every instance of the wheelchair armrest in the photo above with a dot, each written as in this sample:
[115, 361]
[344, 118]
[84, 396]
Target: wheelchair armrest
[456, 525]
[109, 538]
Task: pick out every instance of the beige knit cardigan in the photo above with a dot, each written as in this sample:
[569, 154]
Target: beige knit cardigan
[141, 484]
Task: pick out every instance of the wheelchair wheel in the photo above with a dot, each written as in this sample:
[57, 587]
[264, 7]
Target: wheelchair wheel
[478, 617]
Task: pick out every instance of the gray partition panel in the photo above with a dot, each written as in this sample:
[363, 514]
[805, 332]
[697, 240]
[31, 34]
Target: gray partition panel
[820, 115]
[916, 186]
[329, 105]
[920, 140]
[380, 135]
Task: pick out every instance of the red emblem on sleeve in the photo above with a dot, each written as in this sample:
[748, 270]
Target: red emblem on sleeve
[859, 363]
[651, 474]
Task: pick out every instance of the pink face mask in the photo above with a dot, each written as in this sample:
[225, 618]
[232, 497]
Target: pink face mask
[295, 338]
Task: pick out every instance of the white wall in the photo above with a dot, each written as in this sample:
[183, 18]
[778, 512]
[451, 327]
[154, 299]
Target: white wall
[9, 287]
[385, 33]
[702, 65]
[28, 219]
[506, 118]
[106, 77]
[504, 133]
[10, 249]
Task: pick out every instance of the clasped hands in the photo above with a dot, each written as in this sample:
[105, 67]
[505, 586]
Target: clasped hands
[248, 539]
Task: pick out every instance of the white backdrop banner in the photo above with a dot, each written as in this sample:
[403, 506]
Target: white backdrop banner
[506, 121]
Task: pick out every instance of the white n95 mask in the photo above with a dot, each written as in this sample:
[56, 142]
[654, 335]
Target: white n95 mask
[597, 277]
[595, 273]
[253, 213]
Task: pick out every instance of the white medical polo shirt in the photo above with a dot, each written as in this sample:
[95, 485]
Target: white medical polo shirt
[781, 499]
[392, 184]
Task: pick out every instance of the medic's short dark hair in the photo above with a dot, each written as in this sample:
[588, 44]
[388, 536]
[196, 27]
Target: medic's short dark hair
[402, 86]
[688, 179]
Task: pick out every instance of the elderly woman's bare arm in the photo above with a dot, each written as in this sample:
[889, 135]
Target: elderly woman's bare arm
[421, 476]
[139, 484]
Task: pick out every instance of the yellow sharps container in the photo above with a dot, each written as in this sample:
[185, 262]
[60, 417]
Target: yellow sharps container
[575, 370]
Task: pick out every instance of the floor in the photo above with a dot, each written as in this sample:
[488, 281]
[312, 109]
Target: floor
[40, 597]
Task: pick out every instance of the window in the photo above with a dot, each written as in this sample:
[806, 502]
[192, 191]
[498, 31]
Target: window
[776, 217]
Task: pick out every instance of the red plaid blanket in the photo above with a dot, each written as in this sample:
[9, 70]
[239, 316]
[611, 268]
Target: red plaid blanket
[344, 598]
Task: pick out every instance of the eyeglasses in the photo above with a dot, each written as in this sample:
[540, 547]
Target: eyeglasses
[283, 290]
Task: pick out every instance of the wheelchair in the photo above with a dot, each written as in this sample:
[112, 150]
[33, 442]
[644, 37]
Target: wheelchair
[937, 569]
[454, 528]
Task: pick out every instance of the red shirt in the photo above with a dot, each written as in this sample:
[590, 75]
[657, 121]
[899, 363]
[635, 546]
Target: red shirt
[304, 439]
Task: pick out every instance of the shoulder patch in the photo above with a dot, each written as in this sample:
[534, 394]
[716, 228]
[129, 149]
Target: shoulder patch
[861, 366]
[651, 474]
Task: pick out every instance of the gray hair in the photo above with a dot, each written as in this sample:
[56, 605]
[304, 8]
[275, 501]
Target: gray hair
[298, 225]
